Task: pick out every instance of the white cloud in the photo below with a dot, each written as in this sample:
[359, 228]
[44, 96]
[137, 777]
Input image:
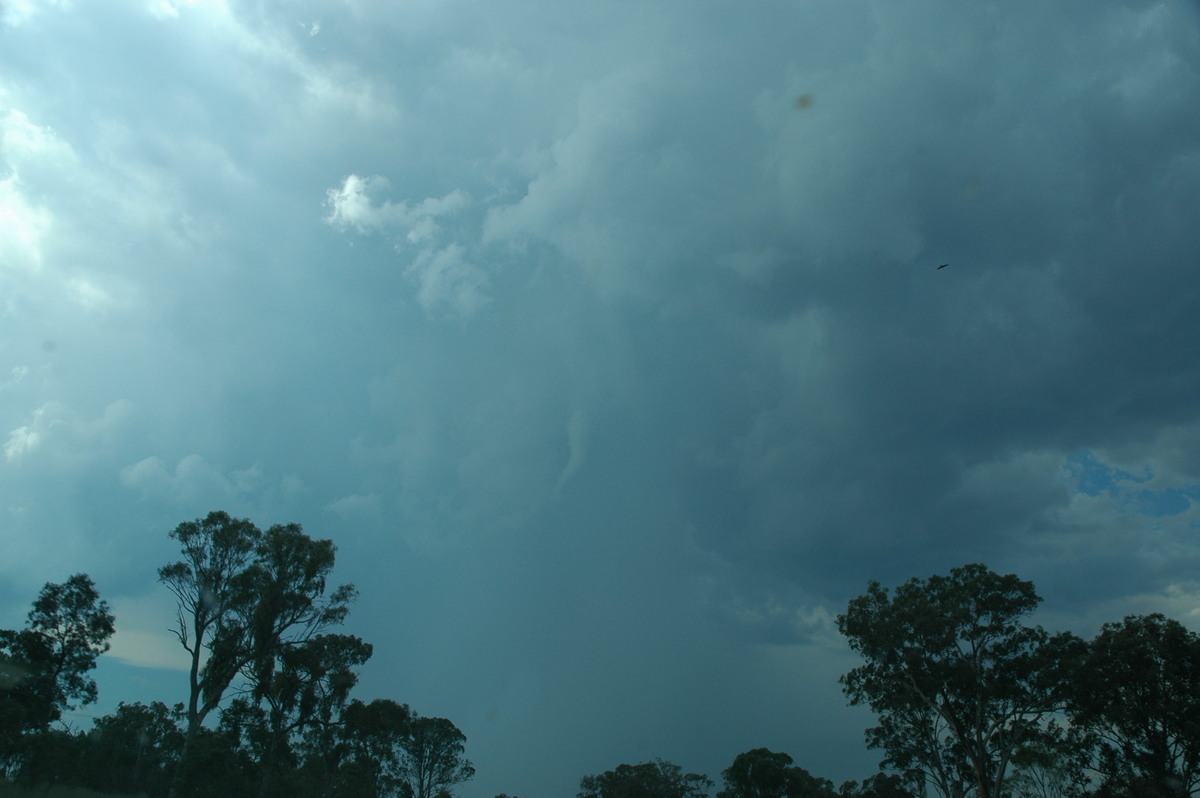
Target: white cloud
[192, 479]
[21, 441]
[23, 229]
[22, 141]
[143, 638]
[57, 435]
[162, 9]
[448, 283]
[352, 204]
[17, 12]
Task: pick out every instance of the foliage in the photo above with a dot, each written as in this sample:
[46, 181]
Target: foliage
[657, 779]
[958, 681]
[135, 749]
[255, 604]
[1054, 765]
[310, 684]
[1138, 693]
[762, 773]
[880, 785]
[431, 758]
[366, 756]
[212, 598]
[967, 696]
[46, 665]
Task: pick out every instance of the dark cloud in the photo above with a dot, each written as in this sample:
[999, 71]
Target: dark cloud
[606, 343]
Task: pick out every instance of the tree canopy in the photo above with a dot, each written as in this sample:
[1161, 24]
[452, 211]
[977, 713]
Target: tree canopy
[45, 667]
[1138, 693]
[657, 779]
[958, 680]
[971, 700]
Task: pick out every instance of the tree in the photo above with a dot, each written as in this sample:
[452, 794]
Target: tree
[288, 581]
[250, 604]
[762, 773]
[134, 749]
[212, 593]
[431, 758]
[1052, 766]
[880, 785]
[958, 681]
[1138, 692]
[46, 664]
[310, 685]
[361, 755]
[657, 779]
[242, 597]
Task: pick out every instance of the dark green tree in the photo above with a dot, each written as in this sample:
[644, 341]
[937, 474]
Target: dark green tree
[288, 581]
[217, 765]
[46, 665]
[958, 680]
[308, 687]
[922, 751]
[249, 604]
[361, 755]
[213, 598]
[880, 785]
[657, 779]
[762, 773]
[1138, 693]
[51, 756]
[430, 758]
[135, 749]
[1053, 766]
[242, 596]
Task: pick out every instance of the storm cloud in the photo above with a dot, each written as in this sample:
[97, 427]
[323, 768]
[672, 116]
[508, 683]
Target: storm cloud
[607, 341]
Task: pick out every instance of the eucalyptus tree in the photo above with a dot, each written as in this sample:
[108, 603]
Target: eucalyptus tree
[657, 779]
[244, 596]
[1138, 694]
[959, 681]
[431, 759]
[309, 687]
[44, 668]
[213, 599]
[762, 773]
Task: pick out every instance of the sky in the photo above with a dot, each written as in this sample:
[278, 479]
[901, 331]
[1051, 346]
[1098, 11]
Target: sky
[606, 340]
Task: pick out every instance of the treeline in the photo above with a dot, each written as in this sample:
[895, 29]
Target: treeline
[268, 708]
[974, 702]
[971, 700]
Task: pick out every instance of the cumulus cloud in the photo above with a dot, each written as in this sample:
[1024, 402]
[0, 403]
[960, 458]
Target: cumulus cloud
[17, 12]
[447, 282]
[701, 378]
[23, 229]
[56, 432]
[191, 479]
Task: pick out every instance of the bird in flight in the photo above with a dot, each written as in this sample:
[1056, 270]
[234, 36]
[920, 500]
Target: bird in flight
[944, 265]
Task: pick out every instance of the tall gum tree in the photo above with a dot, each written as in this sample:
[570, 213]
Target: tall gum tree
[1138, 694]
[958, 680]
[243, 598]
[212, 594]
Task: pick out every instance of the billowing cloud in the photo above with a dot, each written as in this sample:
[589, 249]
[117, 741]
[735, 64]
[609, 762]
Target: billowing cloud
[607, 343]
